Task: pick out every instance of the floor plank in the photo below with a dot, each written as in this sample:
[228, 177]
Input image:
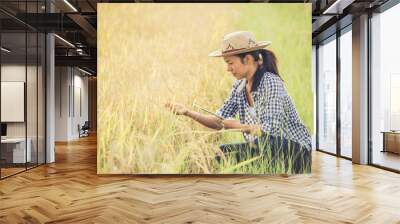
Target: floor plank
[70, 191]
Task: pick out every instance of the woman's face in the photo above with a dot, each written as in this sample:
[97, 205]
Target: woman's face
[235, 66]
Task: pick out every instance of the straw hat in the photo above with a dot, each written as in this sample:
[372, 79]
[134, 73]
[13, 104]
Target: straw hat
[239, 42]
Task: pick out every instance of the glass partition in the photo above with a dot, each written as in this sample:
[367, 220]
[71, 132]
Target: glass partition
[32, 95]
[327, 95]
[14, 153]
[22, 88]
[346, 93]
[385, 89]
[41, 79]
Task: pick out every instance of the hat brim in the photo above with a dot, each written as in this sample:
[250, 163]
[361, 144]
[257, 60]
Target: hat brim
[260, 45]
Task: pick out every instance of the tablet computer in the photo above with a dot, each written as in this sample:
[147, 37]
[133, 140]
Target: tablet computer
[207, 111]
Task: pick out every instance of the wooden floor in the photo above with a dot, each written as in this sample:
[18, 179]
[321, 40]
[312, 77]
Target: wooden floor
[10, 171]
[69, 191]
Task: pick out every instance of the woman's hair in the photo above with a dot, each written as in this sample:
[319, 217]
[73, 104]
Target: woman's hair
[269, 64]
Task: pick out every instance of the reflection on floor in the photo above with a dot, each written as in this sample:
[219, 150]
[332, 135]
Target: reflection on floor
[10, 169]
[386, 159]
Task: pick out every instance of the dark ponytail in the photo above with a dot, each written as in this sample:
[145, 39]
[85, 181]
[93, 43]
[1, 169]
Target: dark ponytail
[269, 61]
[269, 64]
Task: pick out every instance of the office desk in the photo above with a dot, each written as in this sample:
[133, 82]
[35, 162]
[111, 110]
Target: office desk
[391, 141]
[15, 148]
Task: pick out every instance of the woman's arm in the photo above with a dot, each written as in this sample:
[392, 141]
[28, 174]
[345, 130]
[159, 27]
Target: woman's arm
[247, 128]
[211, 121]
[206, 120]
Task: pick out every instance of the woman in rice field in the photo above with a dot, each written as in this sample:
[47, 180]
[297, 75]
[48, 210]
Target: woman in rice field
[268, 119]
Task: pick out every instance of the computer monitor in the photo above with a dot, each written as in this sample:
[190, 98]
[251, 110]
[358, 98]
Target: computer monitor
[3, 129]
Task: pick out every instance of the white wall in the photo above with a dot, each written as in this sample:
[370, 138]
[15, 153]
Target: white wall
[81, 102]
[13, 72]
[71, 94]
[62, 81]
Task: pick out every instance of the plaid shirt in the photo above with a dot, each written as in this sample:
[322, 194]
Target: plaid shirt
[273, 109]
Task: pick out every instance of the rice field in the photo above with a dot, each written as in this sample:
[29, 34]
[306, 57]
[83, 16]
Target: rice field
[149, 54]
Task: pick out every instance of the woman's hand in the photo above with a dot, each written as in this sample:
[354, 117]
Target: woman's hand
[254, 130]
[177, 108]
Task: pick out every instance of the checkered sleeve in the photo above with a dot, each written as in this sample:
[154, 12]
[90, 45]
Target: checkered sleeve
[272, 110]
[230, 107]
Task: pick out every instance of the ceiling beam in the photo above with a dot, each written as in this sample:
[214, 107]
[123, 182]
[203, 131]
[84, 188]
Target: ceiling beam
[84, 24]
[83, 61]
[337, 6]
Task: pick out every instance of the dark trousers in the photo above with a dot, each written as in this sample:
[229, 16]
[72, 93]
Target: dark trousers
[290, 156]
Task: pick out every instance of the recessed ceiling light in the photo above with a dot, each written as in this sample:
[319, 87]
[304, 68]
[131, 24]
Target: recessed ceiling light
[71, 6]
[337, 7]
[64, 40]
[5, 50]
[84, 71]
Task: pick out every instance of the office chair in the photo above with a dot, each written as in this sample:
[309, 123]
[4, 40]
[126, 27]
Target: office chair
[84, 130]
